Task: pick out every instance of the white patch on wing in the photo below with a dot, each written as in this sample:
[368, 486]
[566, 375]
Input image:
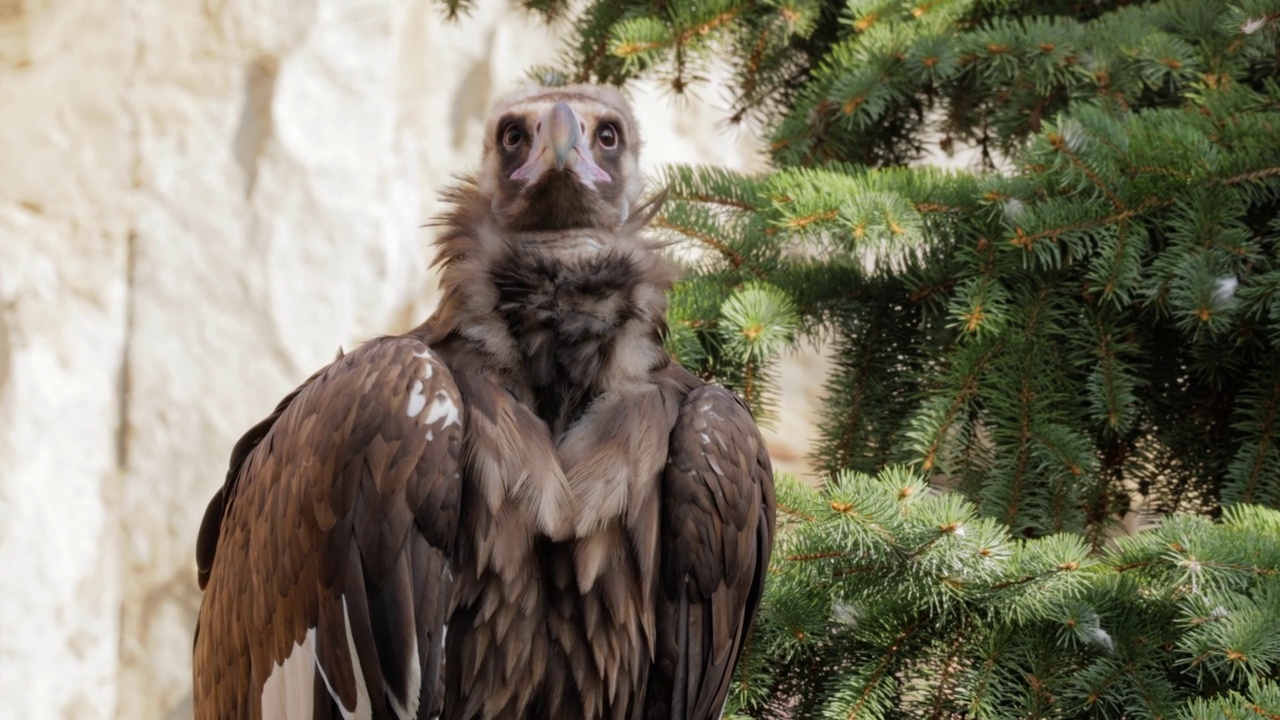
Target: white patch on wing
[414, 677]
[289, 692]
[427, 367]
[715, 465]
[328, 685]
[447, 576]
[443, 407]
[364, 707]
[417, 399]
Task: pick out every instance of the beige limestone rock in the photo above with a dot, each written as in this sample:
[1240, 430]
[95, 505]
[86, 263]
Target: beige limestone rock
[65, 176]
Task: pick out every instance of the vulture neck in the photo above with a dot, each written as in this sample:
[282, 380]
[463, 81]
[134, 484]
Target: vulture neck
[558, 317]
[558, 204]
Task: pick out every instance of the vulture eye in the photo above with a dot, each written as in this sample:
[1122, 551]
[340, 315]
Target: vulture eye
[512, 136]
[607, 136]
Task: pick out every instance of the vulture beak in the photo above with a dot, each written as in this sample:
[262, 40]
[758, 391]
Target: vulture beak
[564, 133]
[558, 144]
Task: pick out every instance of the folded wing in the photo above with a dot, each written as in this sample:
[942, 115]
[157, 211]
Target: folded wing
[324, 556]
[717, 531]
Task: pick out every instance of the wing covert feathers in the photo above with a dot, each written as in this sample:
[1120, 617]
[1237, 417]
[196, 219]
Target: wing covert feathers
[717, 530]
[332, 532]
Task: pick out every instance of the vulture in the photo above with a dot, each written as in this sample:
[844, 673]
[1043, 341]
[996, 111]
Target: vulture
[522, 508]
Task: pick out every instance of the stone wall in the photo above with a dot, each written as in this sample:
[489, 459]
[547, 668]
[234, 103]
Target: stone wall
[200, 200]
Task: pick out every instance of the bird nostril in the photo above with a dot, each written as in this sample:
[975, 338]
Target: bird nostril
[538, 127]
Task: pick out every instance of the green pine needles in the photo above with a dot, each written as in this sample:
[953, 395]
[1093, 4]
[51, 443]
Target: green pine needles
[888, 599]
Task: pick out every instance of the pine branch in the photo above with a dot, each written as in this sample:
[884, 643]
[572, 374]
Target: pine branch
[736, 260]
[1059, 143]
[883, 666]
[1120, 605]
[946, 687]
[1264, 442]
[1252, 176]
[1025, 240]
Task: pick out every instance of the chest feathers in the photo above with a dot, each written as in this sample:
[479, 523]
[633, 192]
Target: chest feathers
[555, 342]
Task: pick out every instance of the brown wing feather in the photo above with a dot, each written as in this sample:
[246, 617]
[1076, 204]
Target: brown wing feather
[717, 531]
[338, 515]
[211, 524]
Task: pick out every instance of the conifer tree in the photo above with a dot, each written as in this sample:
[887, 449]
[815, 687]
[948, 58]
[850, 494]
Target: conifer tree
[888, 600]
[1088, 317]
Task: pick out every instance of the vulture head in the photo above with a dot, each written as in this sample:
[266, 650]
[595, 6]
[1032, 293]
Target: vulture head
[562, 158]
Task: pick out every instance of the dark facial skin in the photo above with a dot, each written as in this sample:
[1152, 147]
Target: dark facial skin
[559, 199]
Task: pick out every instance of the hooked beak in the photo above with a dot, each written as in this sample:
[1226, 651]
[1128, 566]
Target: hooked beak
[563, 132]
[558, 144]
